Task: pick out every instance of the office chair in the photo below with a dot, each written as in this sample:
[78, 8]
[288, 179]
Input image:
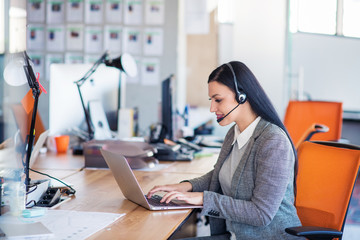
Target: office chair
[325, 181]
[305, 118]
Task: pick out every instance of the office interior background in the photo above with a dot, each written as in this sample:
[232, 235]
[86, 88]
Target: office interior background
[297, 50]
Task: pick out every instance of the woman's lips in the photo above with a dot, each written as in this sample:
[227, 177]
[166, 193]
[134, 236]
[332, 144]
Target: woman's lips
[218, 116]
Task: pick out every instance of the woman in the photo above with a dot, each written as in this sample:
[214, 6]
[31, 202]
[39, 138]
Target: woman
[250, 192]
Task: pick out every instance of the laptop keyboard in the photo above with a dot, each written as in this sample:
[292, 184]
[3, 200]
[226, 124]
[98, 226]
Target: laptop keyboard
[155, 201]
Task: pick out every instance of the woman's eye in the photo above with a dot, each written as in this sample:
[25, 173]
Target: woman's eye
[217, 100]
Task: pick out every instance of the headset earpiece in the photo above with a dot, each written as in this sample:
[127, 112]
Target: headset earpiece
[240, 95]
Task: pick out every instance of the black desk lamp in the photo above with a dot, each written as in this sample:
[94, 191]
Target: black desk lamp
[125, 63]
[9, 72]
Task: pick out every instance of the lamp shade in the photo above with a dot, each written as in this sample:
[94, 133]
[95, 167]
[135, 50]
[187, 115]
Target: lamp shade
[125, 63]
[14, 74]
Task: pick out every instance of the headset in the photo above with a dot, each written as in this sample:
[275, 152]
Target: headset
[240, 94]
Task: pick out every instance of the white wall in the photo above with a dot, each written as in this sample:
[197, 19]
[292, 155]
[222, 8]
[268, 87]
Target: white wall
[331, 67]
[260, 41]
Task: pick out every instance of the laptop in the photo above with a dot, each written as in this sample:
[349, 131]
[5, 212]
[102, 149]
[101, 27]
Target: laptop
[130, 187]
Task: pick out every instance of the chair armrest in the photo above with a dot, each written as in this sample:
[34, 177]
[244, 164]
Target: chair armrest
[313, 129]
[316, 128]
[314, 232]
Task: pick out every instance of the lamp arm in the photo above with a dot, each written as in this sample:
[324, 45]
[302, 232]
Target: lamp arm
[31, 142]
[80, 82]
[34, 85]
[86, 113]
[88, 74]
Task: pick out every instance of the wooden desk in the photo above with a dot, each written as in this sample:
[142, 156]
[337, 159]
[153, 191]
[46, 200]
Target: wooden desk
[197, 165]
[97, 191]
[52, 160]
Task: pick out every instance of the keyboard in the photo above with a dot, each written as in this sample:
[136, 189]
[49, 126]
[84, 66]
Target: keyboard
[155, 201]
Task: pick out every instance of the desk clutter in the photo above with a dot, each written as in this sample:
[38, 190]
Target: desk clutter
[139, 154]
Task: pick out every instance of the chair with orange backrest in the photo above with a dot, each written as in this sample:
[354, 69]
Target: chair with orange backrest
[304, 118]
[326, 177]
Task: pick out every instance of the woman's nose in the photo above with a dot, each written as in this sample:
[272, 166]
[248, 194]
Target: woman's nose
[212, 107]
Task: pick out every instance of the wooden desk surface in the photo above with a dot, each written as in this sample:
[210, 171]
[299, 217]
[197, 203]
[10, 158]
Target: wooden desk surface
[52, 160]
[97, 191]
[197, 165]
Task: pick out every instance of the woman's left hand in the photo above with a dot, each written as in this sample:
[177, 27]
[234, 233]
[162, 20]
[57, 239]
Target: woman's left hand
[195, 198]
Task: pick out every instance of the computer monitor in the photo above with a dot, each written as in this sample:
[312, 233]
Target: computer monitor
[166, 107]
[65, 109]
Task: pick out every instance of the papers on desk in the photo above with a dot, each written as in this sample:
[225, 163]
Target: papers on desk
[57, 224]
[26, 231]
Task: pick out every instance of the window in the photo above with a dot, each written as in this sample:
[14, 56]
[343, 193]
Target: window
[351, 18]
[332, 17]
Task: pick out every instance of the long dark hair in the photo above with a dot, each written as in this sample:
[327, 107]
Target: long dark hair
[256, 96]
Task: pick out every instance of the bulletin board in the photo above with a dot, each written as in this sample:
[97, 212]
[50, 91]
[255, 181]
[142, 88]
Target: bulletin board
[80, 31]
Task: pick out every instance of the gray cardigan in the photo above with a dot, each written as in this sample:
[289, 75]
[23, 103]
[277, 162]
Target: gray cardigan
[262, 201]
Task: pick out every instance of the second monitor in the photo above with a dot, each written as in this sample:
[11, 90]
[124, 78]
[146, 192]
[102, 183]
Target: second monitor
[65, 111]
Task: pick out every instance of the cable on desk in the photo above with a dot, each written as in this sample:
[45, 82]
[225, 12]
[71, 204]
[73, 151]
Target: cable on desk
[69, 191]
[32, 190]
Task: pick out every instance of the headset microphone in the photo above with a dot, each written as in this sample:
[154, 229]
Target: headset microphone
[222, 118]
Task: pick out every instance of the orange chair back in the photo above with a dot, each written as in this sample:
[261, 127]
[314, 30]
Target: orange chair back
[326, 177]
[300, 115]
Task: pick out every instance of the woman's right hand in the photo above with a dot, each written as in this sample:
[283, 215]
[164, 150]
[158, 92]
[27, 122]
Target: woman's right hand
[179, 187]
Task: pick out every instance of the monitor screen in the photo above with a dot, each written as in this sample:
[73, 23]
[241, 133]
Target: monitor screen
[65, 109]
[166, 107]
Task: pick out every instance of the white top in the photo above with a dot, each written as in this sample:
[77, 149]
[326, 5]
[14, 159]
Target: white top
[228, 168]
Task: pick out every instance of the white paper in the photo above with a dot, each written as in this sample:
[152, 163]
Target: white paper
[93, 39]
[50, 59]
[132, 41]
[35, 37]
[133, 12]
[74, 37]
[72, 58]
[74, 10]
[153, 41]
[39, 63]
[137, 78]
[112, 38]
[55, 11]
[94, 11]
[55, 38]
[36, 11]
[150, 71]
[154, 12]
[114, 11]
[65, 224]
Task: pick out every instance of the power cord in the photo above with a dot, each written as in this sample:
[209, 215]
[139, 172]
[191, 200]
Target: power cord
[69, 191]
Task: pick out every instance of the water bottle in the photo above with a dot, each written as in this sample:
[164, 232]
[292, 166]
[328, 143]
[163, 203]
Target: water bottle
[17, 198]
